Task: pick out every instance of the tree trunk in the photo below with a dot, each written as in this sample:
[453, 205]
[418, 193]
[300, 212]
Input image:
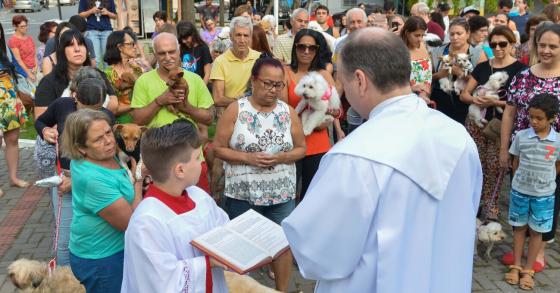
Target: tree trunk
[222, 12]
[187, 10]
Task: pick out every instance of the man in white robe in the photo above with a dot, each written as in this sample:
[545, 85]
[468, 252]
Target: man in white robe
[392, 207]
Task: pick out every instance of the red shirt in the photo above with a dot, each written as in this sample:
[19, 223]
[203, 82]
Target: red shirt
[26, 49]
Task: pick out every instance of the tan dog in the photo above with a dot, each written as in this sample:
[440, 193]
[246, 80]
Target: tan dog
[125, 86]
[130, 134]
[237, 283]
[176, 82]
[32, 276]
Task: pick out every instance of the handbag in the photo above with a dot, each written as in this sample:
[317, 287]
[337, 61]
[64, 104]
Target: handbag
[493, 129]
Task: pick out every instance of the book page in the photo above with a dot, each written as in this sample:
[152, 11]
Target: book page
[232, 247]
[263, 232]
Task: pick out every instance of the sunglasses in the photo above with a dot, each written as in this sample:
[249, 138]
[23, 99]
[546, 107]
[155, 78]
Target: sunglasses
[501, 44]
[303, 48]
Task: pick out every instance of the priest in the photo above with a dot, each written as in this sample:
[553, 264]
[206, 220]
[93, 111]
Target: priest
[392, 207]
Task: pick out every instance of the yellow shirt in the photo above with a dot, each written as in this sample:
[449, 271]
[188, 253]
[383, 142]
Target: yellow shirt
[234, 72]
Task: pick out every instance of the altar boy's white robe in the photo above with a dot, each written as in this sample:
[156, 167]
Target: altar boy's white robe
[158, 256]
[392, 207]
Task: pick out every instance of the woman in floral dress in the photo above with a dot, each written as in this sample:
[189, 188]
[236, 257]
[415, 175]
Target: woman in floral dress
[412, 34]
[543, 77]
[260, 138]
[12, 115]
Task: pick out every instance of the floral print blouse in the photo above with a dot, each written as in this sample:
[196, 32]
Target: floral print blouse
[524, 86]
[421, 72]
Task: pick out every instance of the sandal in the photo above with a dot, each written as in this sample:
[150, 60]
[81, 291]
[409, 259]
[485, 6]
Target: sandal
[527, 282]
[512, 276]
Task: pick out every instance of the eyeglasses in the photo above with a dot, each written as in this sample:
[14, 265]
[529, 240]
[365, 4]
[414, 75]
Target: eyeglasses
[303, 48]
[269, 84]
[22, 26]
[128, 44]
[502, 44]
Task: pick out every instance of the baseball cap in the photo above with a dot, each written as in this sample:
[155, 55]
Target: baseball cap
[469, 9]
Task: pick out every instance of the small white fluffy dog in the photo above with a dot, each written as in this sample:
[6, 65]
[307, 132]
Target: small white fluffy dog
[462, 60]
[237, 283]
[32, 276]
[489, 234]
[317, 97]
[489, 89]
[445, 83]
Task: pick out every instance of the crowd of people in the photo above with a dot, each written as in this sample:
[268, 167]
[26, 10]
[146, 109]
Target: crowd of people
[233, 132]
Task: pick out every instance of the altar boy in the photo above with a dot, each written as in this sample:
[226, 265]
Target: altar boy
[158, 255]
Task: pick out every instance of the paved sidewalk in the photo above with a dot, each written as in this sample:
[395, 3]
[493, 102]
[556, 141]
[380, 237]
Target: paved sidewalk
[26, 225]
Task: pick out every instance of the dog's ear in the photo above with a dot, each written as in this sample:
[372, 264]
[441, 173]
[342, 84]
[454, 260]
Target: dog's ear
[36, 278]
[118, 127]
[180, 74]
[143, 129]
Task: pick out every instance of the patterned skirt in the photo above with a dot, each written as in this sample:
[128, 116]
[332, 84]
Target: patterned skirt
[12, 111]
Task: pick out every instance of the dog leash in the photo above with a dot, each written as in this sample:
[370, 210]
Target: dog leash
[495, 190]
[52, 262]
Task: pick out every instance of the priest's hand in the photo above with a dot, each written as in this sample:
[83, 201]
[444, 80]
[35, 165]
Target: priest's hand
[216, 264]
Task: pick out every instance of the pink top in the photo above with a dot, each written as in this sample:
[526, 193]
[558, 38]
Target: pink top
[26, 49]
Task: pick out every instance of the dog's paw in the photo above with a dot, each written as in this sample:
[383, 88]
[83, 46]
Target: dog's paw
[307, 130]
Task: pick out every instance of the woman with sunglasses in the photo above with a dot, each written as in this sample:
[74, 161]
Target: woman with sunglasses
[448, 102]
[543, 77]
[121, 57]
[306, 57]
[501, 40]
[260, 138]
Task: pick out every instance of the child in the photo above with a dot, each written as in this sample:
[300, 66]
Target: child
[158, 255]
[535, 163]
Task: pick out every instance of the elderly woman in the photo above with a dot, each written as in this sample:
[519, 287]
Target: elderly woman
[104, 196]
[502, 41]
[210, 32]
[268, 23]
[543, 77]
[260, 137]
[449, 103]
[23, 49]
[123, 70]
[88, 90]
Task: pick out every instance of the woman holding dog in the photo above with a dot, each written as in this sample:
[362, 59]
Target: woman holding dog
[543, 77]
[449, 103]
[260, 138]
[104, 197]
[306, 58]
[122, 71]
[501, 40]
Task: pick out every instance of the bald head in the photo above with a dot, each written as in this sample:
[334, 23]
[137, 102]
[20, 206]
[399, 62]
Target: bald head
[166, 51]
[368, 50]
[356, 18]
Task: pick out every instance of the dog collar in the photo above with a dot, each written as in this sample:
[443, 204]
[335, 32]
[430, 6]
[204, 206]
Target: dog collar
[327, 94]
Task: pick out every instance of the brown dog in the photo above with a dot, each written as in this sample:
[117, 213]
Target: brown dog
[130, 134]
[32, 276]
[125, 85]
[176, 82]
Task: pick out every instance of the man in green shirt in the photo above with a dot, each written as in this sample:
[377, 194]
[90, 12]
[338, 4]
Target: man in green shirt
[151, 94]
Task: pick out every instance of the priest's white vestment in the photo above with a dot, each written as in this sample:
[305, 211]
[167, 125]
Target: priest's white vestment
[392, 207]
[158, 254]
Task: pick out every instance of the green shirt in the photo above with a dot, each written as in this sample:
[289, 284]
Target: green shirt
[93, 189]
[150, 85]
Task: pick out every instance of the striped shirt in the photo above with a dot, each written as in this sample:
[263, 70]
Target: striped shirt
[536, 173]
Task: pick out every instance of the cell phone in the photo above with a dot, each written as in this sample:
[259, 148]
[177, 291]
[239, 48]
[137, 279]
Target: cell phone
[395, 24]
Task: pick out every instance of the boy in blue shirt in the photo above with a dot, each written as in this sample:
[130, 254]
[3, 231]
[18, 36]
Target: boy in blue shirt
[535, 162]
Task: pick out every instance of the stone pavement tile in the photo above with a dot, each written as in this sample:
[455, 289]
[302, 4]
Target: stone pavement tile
[484, 282]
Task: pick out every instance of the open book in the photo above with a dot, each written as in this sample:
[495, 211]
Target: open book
[245, 243]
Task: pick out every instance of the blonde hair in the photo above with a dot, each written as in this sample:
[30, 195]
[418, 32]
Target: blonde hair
[75, 132]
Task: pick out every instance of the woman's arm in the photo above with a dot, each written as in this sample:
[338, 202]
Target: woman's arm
[118, 213]
[27, 70]
[466, 95]
[505, 134]
[47, 65]
[224, 130]
[207, 70]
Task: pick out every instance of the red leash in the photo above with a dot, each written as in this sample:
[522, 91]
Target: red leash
[52, 262]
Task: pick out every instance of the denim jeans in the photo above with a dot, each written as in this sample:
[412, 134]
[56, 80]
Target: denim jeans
[99, 40]
[275, 212]
[102, 275]
[62, 253]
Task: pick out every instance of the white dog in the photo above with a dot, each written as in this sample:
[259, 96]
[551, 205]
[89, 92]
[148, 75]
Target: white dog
[32, 276]
[489, 89]
[462, 60]
[317, 96]
[489, 234]
[237, 283]
[445, 83]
